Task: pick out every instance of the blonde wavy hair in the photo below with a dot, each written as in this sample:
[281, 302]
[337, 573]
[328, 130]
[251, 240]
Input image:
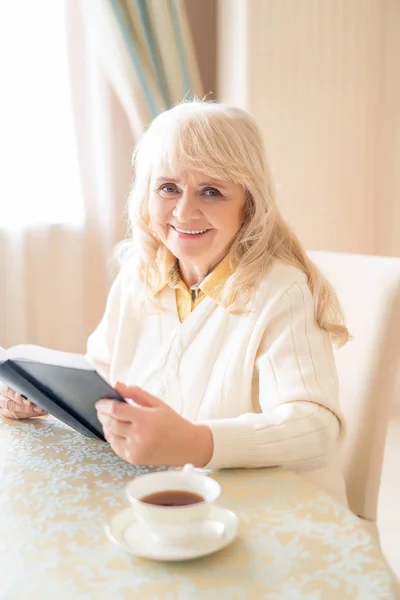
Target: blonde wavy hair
[225, 143]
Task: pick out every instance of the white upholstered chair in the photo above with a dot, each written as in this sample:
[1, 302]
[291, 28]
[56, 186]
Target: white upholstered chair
[368, 288]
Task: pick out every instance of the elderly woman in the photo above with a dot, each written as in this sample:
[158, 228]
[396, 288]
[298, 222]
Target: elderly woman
[218, 328]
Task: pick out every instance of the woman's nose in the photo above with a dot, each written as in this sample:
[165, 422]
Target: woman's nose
[186, 208]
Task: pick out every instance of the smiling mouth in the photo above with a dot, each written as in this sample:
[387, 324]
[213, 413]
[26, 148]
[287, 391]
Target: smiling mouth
[192, 232]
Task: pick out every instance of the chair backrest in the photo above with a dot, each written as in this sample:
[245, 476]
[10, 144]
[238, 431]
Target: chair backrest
[368, 288]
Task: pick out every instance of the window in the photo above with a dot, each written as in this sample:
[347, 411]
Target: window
[39, 175]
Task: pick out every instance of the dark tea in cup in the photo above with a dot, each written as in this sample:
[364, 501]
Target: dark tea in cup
[172, 498]
[171, 504]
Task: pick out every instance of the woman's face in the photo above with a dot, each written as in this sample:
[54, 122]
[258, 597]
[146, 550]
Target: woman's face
[195, 216]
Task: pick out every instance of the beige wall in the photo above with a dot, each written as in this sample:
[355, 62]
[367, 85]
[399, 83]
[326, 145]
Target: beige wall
[389, 139]
[322, 78]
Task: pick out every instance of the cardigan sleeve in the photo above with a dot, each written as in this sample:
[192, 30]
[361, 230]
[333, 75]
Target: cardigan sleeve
[299, 419]
[100, 344]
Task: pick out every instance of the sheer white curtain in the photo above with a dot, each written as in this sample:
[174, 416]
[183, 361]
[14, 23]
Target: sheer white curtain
[37, 134]
[58, 224]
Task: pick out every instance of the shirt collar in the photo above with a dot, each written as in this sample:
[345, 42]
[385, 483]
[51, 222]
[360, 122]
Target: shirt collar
[212, 285]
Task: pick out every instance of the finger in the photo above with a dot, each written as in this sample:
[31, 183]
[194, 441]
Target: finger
[121, 411]
[112, 426]
[15, 407]
[13, 395]
[18, 415]
[139, 395]
[42, 413]
[120, 447]
[10, 415]
[113, 437]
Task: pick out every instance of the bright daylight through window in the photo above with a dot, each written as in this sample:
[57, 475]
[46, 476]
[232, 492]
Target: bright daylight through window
[39, 176]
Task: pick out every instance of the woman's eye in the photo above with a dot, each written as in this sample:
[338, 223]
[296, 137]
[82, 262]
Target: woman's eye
[168, 189]
[212, 192]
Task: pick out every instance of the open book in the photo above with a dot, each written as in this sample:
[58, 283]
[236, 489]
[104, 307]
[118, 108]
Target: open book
[62, 383]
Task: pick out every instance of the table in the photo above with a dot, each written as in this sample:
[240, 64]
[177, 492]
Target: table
[58, 489]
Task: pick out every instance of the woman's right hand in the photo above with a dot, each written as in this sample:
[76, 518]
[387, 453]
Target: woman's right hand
[14, 406]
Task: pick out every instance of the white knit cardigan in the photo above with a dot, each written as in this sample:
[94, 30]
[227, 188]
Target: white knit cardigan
[264, 380]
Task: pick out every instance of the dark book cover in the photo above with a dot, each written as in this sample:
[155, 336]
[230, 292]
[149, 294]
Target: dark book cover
[61, 383]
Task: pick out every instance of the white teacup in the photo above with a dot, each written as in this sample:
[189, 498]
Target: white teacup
[175, 524]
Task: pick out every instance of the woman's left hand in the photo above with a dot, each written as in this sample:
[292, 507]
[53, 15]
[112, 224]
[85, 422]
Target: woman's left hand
[150, 432]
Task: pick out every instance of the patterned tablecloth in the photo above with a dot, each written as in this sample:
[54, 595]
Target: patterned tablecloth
[58, 489]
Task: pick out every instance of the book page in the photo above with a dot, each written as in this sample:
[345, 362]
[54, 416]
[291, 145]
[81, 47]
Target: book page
[45, 356]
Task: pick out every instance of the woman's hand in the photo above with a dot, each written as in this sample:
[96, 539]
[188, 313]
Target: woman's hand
[14, 406]
[149, 432]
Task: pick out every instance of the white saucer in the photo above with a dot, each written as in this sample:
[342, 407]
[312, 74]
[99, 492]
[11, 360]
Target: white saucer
[132, 536]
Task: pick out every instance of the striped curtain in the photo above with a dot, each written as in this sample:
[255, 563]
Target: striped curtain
[147, 52]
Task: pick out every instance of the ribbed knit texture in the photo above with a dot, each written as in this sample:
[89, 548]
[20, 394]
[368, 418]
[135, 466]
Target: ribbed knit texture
[264, 381]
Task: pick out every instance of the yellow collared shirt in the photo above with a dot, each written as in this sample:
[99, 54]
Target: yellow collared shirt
[211, 285]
